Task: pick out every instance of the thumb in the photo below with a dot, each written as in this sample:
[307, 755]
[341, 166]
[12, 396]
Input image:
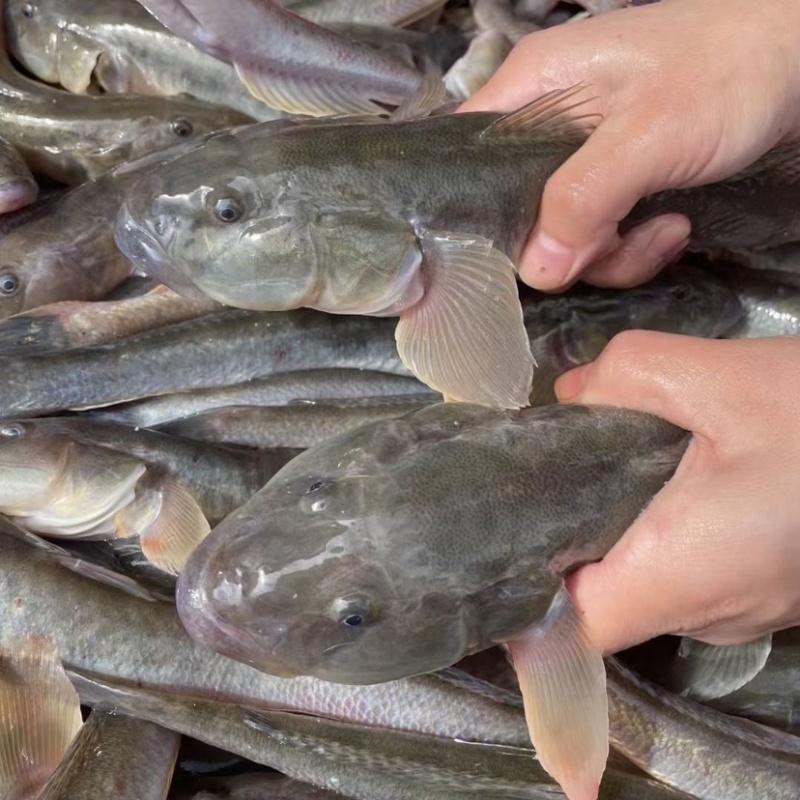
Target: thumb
[587, 197]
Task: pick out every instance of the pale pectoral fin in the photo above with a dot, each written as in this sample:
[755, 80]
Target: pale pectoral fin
[466, 337]
[563, 682]
[40, 715]
[706, 671]
[430, 95]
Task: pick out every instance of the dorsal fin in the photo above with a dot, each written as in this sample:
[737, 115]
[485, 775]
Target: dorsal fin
[550, 117]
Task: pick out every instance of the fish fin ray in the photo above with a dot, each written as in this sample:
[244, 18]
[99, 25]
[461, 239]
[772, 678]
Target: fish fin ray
[706, 671]
[40, 714]
[430, 95]
[466, 337]
[549, 117]
[562, 678]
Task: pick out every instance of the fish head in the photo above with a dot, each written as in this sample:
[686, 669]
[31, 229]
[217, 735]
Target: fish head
[318, 573]
[204, 224]
[32, 33]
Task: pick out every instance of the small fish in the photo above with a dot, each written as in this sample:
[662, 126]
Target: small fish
[366, 559]
[18, 188]
[364, 12]
[121, 48]
[115, 756]
[40, 715]
[297, 67]
[485, 55]
[55, 485]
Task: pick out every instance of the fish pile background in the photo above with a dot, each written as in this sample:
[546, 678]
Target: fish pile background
[251, 544]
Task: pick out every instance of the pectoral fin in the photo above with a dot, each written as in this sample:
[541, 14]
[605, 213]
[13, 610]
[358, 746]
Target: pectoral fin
[706, 671]
[40, 715]
[430, 95]
[563, 682]
[466, 337]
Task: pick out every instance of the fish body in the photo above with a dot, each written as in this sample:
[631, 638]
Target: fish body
[18, 187]
[485, 55]
[363, 12]
[122, 48]
[500, 16]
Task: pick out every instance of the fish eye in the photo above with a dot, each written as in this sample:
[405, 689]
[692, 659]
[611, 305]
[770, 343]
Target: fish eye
[12, 431]
[228, 209]
[316, 486]
[351, 611]
[9, 284]
[28, 10]
[182, 128]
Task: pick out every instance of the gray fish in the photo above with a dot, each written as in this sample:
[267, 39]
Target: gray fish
[124, 49]
[115, 757]
[301, 217]
[73, 139]
[500, 16]
[485, 55]
[74, 323]
[365, 12]
[18, 188]
[367, 559]
[673, 739]
[346, 386]
[255, 786]
[534, 10]
[359, 761]
[299, 426]
[119, 638]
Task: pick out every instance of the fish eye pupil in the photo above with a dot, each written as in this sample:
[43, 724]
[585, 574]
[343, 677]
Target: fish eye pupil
[182, 128]
[9, 283]
[227, 210]
[353, 620]
[315, 487]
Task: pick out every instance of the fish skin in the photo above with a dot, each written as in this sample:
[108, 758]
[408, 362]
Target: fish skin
[485, 55]
[345, 386]
[18, 188]
[500, 16]
[144, 643]
[125, 49]
[221, 477]
[73, 139]
[671, 738]
[254, 786]
[357, 761]
[70, 324]
[115, 757]
[399, 471]
[364, 12]
[299, 426]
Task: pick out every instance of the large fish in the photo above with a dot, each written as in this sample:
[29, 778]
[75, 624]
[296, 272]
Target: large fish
[423, 220]
[401, 547]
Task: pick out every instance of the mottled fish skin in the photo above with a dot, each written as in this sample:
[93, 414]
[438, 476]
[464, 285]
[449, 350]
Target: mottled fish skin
[345, 386]
[221, 477]
[18, 188]
[145, 644]
[124, 49]
[220, 349]
[73, 323]
[358, 761]
[115, 757]
[672, 738]
[389, 523]
[73, 139]
[364, 12]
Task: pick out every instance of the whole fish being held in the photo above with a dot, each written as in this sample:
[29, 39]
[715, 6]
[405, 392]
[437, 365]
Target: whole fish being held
[400, 547]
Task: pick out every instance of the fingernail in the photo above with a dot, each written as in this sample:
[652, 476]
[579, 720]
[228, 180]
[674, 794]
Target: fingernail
[571, 383]
[547, 263]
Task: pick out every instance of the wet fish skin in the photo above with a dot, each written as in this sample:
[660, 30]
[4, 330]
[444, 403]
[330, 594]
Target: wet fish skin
[70, 324]
[364, 12]
[145, 644]
[670, 738]
[485, 55]
[500, 16]
[124, 48]
[18, 188]
[255, 786]
[298, 426]
[115, 757]
[337, 386]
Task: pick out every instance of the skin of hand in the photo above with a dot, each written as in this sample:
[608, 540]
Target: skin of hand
[716, 555]
[689, 92]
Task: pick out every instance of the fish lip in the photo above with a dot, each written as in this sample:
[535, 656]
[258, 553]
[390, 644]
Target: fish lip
[137, 243]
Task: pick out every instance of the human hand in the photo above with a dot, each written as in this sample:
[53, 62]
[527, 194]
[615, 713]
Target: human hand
[716, 555]
[690, 92]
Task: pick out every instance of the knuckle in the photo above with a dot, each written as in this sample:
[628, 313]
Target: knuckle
[625, 355]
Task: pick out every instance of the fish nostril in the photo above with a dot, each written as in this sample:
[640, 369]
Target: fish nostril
[160, 225]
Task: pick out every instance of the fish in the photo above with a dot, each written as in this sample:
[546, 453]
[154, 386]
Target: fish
[40, 715]
[364, 12]
[366, 559]
[68, 324]
[255, 786]
[298, 67]
[56, 485]
[347, 386]
[535, 10]
[18, 187]
[403, 232]
[671, 738]
[296, 426]
[485, 55]
[115, 756]
[358, 761]
[500, 16]
[145, 644]
[72, 139]
[121, 48]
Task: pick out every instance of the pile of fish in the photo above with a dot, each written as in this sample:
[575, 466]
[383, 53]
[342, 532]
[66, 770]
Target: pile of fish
[259, 538]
